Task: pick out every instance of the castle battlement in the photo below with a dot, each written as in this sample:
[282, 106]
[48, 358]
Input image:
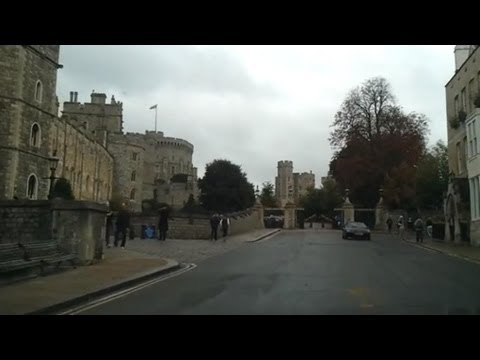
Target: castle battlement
[285, 163]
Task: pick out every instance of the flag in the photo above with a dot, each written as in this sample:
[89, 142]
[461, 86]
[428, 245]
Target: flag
[153, 107]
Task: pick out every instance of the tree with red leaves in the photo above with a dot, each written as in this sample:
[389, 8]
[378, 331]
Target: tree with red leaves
[373, 136]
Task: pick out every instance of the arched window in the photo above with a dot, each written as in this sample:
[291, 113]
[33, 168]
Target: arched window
[173, 170]
[132, 194]
[32, 187]
[38, 91]
[134, 175]
[35, 135]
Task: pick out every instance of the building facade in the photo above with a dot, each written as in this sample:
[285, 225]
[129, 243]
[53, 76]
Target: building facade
[146, 166]
[290, 186]
[95, 155]
[463, 116]
[31, 132]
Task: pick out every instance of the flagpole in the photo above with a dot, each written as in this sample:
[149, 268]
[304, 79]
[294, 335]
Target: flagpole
[156, 119]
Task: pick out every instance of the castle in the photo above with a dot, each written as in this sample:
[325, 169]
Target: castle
[290, 186]
[94, 153]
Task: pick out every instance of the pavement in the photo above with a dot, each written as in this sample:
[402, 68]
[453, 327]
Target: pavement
[140, 261]
[463, 250]
[313, 272]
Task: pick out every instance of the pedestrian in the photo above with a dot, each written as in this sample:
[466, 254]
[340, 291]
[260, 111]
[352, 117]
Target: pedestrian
[389, 224]
[214, 222]
[225, 226]
[163, 223]
[429, 227]
[123, 225]
[419, 229]
[410, 223]
[108, 228]
[401, 227]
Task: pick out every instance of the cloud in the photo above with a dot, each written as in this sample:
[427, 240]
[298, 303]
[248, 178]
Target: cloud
[254, 105]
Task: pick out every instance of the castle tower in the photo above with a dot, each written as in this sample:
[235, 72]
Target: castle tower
[284, 182]
[97, 117]
[28, 104]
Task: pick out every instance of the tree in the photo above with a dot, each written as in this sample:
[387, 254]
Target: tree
[432, 177]
[373, 136]
[322, 201]
[225, 187]
[267, 196]
[62, 190]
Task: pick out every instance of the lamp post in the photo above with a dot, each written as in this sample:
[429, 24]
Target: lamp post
[53, 161]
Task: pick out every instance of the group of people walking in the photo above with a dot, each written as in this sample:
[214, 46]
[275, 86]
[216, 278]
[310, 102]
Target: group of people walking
[122, 226]
[419, 226]
[216, 221]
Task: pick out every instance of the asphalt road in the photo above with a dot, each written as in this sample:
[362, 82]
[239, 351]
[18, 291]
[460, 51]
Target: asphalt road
[314, 272]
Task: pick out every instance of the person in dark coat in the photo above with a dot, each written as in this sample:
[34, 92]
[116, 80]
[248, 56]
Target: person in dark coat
[108, 228]
[163, 223]
[419, 229]
[214, 222]
[123, 225]
[389, 224]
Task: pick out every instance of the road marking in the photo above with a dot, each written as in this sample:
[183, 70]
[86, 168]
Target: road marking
[125, 292]
[364, 295]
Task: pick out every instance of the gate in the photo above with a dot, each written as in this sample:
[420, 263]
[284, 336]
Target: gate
[367, 216]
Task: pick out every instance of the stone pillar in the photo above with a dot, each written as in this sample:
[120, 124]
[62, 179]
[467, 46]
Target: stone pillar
[348, 210]
[380, 213]
[258, 209]
[79, 226]
[289, 222]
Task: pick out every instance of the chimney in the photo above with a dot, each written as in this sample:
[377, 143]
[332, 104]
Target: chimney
[461, 54]
[71, 96]
[76, 97]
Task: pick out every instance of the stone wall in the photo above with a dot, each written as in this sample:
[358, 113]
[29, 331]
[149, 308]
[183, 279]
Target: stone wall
[25, 221]
[79, 226]
[197, 227]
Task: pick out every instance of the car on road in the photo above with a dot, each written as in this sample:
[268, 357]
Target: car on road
[356, 230]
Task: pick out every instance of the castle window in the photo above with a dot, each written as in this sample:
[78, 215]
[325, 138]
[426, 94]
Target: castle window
[132, 194]
[35, 135]
[134, 175]
[173, 169]
[38, 91]
[32, 187]
[134, 156]
[87, 183]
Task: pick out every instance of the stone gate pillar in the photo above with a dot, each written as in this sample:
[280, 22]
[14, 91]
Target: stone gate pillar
[348, 210]
[380, 213]
[289, 222]
[258, 208]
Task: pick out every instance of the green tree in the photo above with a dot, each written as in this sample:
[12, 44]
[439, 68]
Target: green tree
[267, 196]
[432, 177]
[62, 190]
[225, 187]
[322, 201]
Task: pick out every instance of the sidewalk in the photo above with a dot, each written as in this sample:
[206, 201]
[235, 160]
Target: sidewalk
[120, 268]
[464, 251]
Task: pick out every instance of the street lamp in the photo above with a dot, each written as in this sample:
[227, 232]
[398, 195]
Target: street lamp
[53, 161]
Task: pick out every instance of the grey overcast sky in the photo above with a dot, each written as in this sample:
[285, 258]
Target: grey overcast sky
[254, 105]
